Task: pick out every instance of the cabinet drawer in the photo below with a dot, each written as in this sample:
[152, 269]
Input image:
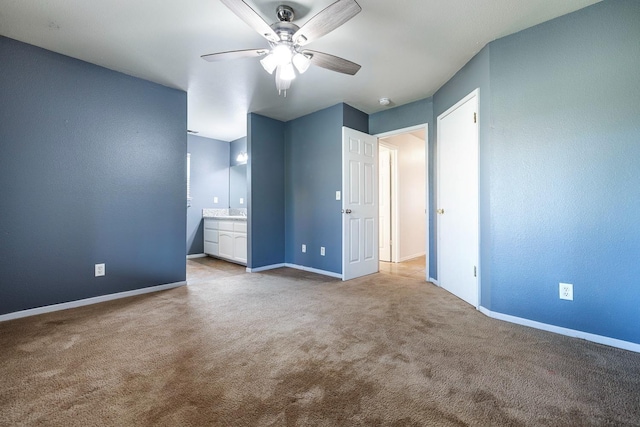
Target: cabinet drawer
[210, 224]
[226, 225]
[210, 235]
[211, 248]
[240, 226]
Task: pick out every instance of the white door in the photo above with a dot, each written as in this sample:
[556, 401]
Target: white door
[457, 199]
[384, 203]
[359, 204]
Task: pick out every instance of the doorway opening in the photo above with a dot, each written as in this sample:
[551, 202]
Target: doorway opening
[402, 198]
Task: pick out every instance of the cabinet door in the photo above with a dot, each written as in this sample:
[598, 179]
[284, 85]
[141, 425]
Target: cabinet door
[240, 247]
[225, 244]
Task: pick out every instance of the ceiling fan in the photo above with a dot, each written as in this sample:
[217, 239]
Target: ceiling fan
[286, 40]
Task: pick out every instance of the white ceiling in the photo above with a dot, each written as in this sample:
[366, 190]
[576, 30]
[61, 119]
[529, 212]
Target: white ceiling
[407, 48]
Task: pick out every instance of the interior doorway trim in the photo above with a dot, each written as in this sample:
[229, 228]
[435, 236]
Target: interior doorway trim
[395, 222]
[425, 127]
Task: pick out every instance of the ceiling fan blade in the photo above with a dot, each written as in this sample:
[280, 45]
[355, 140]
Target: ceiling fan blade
[248, 15]
[326, 21]
[330, 62]
[234, 54]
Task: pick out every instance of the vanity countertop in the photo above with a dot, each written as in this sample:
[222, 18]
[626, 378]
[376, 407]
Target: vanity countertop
[226, 217]
[225, 214]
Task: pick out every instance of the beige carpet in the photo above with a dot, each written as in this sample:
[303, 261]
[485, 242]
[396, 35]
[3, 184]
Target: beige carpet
[289, 348]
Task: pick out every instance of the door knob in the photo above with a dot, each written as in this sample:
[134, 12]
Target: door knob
[348, 211]
[440, 211]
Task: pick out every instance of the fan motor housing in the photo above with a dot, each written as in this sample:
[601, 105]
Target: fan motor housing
[285, 13]
[285, 30]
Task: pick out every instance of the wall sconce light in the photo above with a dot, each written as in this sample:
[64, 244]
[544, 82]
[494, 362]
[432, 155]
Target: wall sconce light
[242, 157]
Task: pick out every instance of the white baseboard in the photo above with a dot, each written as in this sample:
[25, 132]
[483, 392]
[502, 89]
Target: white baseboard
[407, 258]
[264, 268]
[314, 270]
[196, 256]
[296, 267]
[87, 301]
[613, 342]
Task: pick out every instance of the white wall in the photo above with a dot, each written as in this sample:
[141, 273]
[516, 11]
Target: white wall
[412, 194]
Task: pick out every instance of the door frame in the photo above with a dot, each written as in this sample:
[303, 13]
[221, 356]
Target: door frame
[395, 236]
[475, 93]
[428, 212]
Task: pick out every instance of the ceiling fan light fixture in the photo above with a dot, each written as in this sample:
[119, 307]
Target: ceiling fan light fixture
[282, 85]
[282, 53]
[301, 62]
[269, 63]
[286, 39]
[287, 72]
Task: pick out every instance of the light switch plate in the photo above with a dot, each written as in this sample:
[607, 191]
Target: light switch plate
[215, 200]
[241, 201]
[337, 195]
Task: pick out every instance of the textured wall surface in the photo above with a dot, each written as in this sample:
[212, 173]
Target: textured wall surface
[93, 170]
[314, 174]
[403, 116]
[564, 175]
[266, 199]
[354, 118]
[237, 146]
[475, 74]
[209, 179]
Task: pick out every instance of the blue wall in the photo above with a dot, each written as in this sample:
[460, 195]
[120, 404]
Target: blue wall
[209, 179]
[266, 199]
[354, 119]
[313, 162]
[314, 174]
[559, 177]
[93, 170]
[564, 171]
[403, 116]
[237, 146]
[475, 74]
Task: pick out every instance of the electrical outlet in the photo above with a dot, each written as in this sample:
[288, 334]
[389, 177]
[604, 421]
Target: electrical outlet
[100, 270]
[322, 250]
[304, 248]
[566, 291]
[242, 200]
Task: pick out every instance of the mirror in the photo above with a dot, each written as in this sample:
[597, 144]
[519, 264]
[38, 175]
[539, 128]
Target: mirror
[238, 186]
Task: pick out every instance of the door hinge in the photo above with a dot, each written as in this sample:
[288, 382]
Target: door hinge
[475, 271]
[475, 117]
